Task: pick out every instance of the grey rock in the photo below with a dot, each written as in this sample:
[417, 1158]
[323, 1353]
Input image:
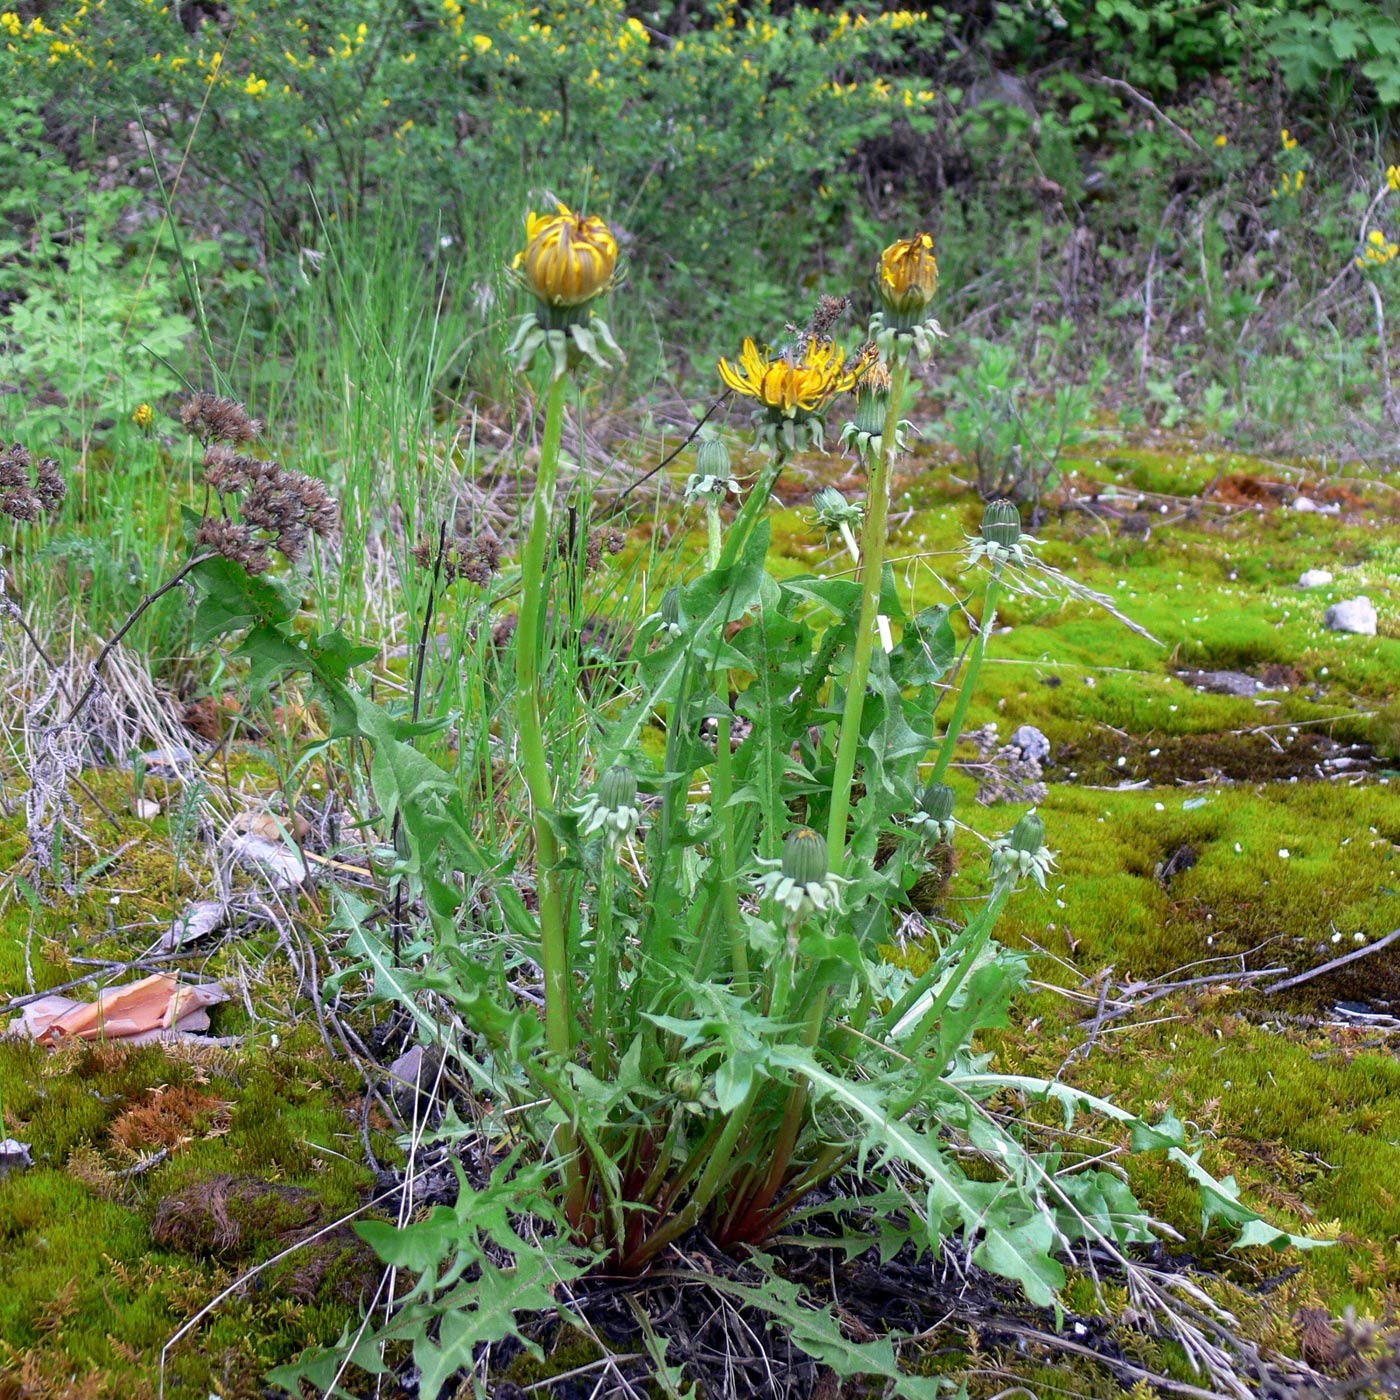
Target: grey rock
[1032, 743]
[1222, 682]
[1356, 615]
[14, 1156]
[412, 1078]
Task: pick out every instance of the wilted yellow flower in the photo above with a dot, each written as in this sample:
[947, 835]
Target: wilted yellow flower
[568, 258]
[908, 274]
[144, 416]
[787, 383]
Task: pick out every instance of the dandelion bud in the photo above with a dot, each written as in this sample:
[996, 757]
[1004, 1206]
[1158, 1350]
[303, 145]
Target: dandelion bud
[671, 608]
[568, 258]
[1001, 524]
[908, 275]
[712, 458]
[937, 802]
[870, 413]
[686, 1082]
[805, 860]
[617, 788]
[1028, 834]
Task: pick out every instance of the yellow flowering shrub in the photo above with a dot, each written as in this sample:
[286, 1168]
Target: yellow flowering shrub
[758, 109]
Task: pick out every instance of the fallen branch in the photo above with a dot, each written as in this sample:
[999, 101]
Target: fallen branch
[1332, 966]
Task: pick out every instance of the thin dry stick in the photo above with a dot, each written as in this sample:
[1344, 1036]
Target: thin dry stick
[1148, 105]
[1332, 966]
[148, 601]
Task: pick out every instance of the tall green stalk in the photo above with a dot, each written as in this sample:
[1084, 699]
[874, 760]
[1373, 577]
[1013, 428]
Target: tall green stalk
[969, 683]
[722, 783]
[872, 565]
[554, 941]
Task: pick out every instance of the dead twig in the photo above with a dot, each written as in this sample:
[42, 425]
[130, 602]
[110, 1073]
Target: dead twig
[1354, 956]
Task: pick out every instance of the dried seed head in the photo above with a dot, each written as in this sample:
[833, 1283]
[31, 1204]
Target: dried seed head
[21, 498]
[213, 419]
[226, 470]
[234, 542]
[829, 310]
[21, 504]
[49, 483]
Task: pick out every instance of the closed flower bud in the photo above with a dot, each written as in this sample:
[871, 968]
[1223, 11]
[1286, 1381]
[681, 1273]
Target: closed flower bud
[712, 458]
[671, 608]
[805, 859]
[1028, 834]
[617, 788]
[937, 802]
[870, 412]
[568, 258]
[909, 275]
[1001, 524]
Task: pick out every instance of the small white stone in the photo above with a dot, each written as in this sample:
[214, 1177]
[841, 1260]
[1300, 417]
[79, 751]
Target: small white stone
[1354, 615]
[1315, 578]
[1159, 807]
[1305, 504]
[145, 810]
[1283, 852]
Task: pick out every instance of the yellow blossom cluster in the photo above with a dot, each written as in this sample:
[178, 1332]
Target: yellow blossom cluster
[1289, 186]
[1392, 176]
[1378, 250]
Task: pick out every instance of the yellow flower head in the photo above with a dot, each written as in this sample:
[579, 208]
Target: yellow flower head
[1392, 176]
[790, 384]
[909, 274]
[1289, 142]
[568, 258]
[1222, 140]
[144, 416]
[1376, 237]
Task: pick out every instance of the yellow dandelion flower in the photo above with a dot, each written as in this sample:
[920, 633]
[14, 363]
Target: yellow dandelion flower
[481, 43]
[568, 258]
[1222, 140]
[786, 384]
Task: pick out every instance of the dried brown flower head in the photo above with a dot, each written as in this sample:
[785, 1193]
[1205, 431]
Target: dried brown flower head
[22, 498]
[211, 418]
[829, 310]
[235, 542]
[474, 558]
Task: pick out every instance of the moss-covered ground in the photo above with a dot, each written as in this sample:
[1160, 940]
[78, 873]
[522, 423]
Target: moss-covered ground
[1287, 867]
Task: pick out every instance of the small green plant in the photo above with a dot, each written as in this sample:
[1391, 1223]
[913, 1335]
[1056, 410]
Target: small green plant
[1012, 436]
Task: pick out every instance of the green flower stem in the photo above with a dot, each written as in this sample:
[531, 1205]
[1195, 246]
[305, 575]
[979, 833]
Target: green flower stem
[603, 964]
[752, 508]
[969, 684]
[554, 945]
[871, 572]
[722, 781]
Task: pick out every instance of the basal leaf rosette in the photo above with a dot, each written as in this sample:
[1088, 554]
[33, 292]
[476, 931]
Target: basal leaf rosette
[793, 389]
[907, 281]
[569, 260]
